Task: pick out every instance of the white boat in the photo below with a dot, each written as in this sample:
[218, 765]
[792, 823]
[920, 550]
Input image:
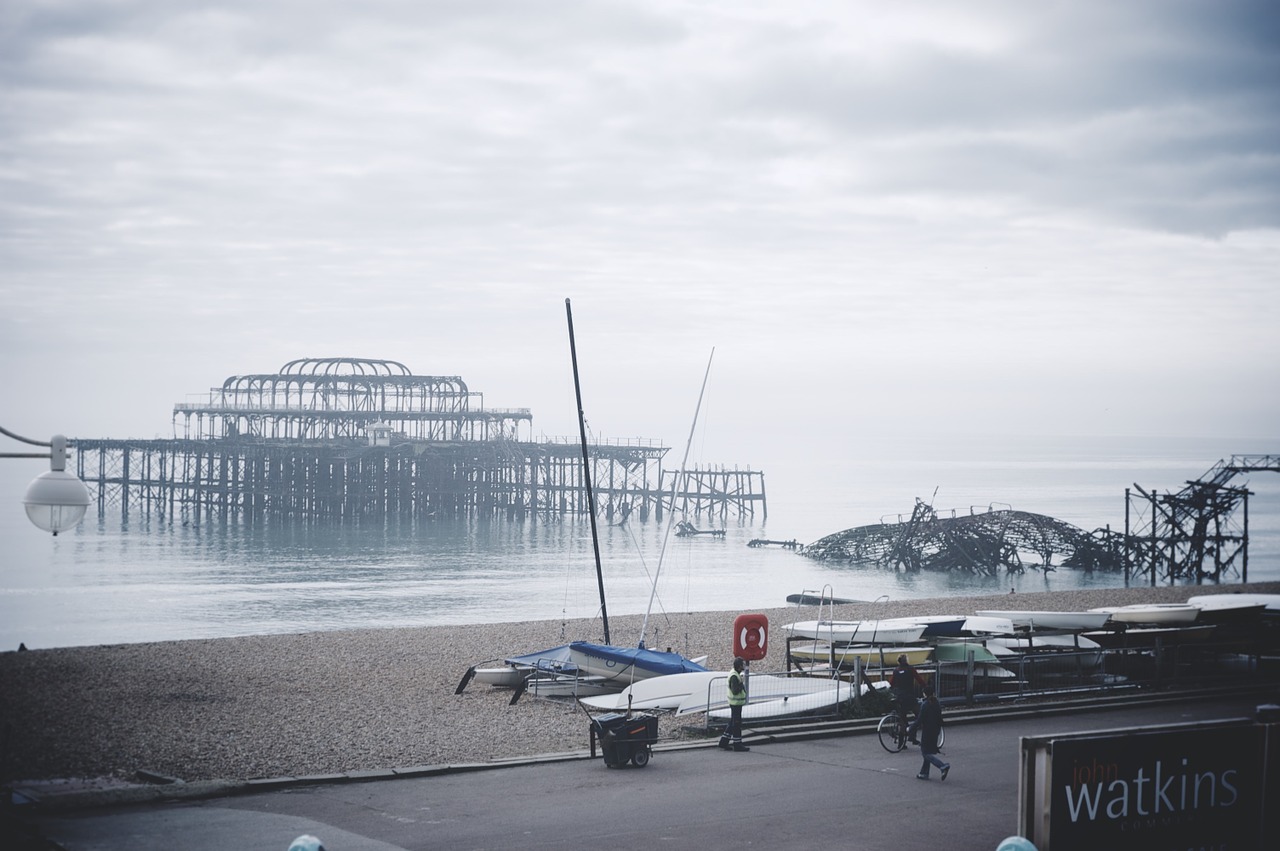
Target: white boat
[665, 692]
[873, 655]
[1162, 614]
[760, 687]
[1092, 619]
[1270, 601]
[975, 625]
[1047, 651]
[791, 705]
[514, 670]
[894, 631]
[1242, 609]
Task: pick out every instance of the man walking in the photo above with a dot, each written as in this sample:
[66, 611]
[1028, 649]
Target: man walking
[731, 739]
[929, 725]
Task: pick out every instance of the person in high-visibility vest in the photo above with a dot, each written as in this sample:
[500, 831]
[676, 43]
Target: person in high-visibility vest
[731, 739]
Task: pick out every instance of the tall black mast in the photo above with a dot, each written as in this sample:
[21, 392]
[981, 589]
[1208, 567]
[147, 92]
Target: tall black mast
[586, 470]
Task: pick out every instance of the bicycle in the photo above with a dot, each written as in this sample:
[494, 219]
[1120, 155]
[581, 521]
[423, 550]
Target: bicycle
[893, 732]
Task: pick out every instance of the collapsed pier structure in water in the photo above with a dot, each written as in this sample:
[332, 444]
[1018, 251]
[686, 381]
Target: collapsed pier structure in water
[984, 541]
[1199, 533]
[350, 438]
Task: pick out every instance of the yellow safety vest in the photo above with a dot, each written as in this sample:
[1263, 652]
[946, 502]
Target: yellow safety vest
[739, 699]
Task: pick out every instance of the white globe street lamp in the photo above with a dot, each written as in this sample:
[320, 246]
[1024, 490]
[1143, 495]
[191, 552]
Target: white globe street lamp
[56, 500]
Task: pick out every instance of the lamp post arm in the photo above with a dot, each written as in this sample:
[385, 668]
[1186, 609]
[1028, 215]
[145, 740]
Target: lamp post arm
[22, 439]
[57, 453]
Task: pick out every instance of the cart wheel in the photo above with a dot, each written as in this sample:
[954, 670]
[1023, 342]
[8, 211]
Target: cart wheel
[641, 758]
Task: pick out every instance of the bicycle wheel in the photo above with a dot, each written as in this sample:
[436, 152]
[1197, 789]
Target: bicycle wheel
[942, 736]
[887, 729]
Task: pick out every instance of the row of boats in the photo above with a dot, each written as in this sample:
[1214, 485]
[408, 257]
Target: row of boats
[828, 659]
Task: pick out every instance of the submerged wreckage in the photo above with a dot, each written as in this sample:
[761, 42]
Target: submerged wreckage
[984, 541]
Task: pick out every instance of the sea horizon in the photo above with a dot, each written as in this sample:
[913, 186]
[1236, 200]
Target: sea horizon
[109, 582]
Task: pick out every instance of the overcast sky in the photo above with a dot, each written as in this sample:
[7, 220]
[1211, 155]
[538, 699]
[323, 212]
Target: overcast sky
[1021, 217]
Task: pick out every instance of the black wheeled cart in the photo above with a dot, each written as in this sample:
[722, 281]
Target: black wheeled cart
[625, 737]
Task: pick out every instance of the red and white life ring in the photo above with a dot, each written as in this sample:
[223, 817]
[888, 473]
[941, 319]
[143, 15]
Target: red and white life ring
[751, 637]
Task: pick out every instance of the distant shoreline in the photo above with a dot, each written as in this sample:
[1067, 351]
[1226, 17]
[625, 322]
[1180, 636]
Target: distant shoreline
[327, 702]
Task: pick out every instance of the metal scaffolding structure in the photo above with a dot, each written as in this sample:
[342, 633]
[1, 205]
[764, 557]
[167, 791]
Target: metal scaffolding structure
[346, 438]
[1201, 532]
[983, 541]
[344, 399]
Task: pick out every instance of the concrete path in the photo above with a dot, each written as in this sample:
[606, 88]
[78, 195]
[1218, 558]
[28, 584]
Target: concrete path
[844, 792]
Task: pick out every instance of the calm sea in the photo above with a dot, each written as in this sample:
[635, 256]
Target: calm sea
[106, 583]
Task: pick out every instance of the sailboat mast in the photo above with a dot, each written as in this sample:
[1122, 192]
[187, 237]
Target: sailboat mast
[675, 488]
[586, 470]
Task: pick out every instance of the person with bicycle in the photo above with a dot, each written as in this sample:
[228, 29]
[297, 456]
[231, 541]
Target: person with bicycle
[929, 727]
[902, 683]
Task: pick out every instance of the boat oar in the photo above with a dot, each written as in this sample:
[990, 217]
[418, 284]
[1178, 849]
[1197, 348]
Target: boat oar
[466, 678]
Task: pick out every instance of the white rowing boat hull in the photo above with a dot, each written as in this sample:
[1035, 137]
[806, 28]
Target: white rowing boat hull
[785, 707]
[897, 631]
[761, 687]
[666, 692]
[1160, 614]
[1092, 619]
[875, 655]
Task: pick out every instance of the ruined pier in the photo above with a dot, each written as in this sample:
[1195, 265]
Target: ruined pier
[346, 439]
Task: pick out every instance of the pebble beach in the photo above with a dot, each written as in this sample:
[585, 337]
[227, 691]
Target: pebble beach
[319, 703]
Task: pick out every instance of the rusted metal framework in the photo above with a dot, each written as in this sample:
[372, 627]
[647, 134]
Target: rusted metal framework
[1199, 533]
[346, 439]
[715, 492]
[343, 398]
[982, 541]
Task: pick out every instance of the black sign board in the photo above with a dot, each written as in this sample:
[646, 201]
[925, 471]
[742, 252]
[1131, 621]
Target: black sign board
[1170, 789]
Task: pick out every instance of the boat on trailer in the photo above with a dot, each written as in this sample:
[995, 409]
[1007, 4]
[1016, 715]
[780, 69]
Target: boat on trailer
[629, 663]
[514, 670]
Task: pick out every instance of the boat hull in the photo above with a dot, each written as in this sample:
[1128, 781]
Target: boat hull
[1163, 614]
[1151, 636]
[1050, 620]
[857, 632]
[866, 655]
[792, 705]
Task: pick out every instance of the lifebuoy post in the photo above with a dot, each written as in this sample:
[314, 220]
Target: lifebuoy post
[751, 636]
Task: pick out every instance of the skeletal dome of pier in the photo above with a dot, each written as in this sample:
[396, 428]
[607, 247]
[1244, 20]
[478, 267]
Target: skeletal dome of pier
[344, 366]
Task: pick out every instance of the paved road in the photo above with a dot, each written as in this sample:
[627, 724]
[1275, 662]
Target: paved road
[845, 793]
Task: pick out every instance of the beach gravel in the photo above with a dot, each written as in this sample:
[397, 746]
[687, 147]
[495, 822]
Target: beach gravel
[319, 703]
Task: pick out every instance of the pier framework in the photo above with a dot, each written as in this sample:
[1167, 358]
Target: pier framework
[1201, 532]
[348, 438]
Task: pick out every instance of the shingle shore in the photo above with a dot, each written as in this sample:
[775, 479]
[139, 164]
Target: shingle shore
[330, 702]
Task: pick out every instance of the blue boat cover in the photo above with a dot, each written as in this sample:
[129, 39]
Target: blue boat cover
[657, 661]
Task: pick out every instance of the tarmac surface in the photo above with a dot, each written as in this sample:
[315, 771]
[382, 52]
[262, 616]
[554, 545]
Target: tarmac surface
[798, 789]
